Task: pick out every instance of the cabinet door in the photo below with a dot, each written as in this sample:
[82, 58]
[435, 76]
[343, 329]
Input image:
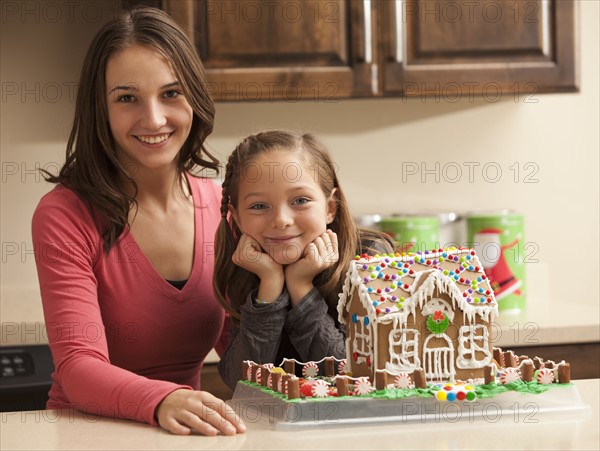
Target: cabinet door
[490, 47]
[285, 49]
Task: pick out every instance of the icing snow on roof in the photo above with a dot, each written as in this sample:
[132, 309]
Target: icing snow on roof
[391, 286]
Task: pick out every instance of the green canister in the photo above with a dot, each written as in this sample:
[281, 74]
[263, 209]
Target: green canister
[499, 242]
[413, 233]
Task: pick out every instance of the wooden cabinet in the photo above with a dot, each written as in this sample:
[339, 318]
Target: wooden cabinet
[486, 47]
[283, 49]
[321, 50]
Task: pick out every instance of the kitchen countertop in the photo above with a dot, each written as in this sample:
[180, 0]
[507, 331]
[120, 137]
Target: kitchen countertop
[69, 429]
[542, 323]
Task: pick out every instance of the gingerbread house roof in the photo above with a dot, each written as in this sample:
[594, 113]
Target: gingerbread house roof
[390, 287]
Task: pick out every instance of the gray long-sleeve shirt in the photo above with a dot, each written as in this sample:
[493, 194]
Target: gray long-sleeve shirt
[269, 332]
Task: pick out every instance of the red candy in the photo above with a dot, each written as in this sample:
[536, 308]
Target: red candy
[306, 388]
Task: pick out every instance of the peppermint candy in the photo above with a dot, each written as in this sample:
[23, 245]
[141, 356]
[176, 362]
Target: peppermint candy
[545, 376]
[310, 370]
[403, 380]
[249, 373]
[258, 375]
[362, 386]
[281, 386]
[320, 389]
[343, 367]
[509, 375]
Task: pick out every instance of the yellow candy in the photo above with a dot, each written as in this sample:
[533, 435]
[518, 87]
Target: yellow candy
[278, 370]
[441, 395]
[469, 387]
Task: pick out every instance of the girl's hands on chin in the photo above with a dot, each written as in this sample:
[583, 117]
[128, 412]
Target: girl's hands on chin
[318, 256]
[250, 256]
[184, 411]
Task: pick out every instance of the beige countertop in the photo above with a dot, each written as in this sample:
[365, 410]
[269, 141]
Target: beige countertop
[69, 429]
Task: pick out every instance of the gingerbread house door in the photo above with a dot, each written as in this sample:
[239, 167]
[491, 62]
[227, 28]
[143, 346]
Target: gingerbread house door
[438, 357]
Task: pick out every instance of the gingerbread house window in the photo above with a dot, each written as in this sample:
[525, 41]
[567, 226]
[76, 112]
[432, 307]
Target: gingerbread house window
[404, 346]
[473, 347]
[362, 339]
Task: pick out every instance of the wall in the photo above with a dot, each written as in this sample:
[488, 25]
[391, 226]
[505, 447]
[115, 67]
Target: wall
[551, 139]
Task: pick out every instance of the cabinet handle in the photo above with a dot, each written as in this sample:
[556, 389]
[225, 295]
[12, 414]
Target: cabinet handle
[399, 32]
[368, 32]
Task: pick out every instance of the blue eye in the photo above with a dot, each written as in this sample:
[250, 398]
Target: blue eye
[301, 201]
[258, 207]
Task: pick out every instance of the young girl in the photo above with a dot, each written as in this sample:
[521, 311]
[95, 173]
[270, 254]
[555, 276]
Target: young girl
[119, 242]
[284, 243]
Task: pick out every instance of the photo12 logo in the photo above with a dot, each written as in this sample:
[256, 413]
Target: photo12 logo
[469, 171]
[273, 11]
[58, 12]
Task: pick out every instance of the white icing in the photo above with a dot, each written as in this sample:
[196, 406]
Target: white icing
[407, 340]
[468, 347]
[438, 363]
[437, 304]
[387, 307]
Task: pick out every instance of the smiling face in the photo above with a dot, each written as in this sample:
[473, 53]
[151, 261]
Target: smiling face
[149, 117]
[281, 205]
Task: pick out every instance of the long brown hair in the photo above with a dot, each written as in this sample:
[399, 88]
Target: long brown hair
[91, 168]
[231, 283]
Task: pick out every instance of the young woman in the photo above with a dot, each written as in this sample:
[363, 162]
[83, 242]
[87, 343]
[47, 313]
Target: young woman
[121, 241]
[284, 243]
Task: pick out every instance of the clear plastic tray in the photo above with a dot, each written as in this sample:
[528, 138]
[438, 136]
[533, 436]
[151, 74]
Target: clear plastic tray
[254, 405]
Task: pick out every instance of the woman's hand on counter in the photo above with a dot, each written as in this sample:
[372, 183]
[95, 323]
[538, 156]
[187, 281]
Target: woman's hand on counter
[185, 410]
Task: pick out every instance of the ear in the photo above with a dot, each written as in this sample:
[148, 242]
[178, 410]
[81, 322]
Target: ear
[234, 215]
[332, 206]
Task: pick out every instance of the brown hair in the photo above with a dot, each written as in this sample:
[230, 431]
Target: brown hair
[233, 295]
[91, 168]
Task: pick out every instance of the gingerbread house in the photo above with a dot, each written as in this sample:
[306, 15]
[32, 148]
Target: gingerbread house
[431, 311]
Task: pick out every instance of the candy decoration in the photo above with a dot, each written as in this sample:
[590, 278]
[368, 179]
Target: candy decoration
[306, 388]
[258, 375]
[362, 386]
[343, 367]
[278, 370]
[545, 376]
[437, 322]
[249, 375]
[509, 375]
[320, 389]
[310, 370]
[403, 380]
[282, 385]
[453, 392]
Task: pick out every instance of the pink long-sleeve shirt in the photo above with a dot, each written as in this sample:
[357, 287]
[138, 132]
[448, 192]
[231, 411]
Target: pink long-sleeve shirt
[121, 336]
